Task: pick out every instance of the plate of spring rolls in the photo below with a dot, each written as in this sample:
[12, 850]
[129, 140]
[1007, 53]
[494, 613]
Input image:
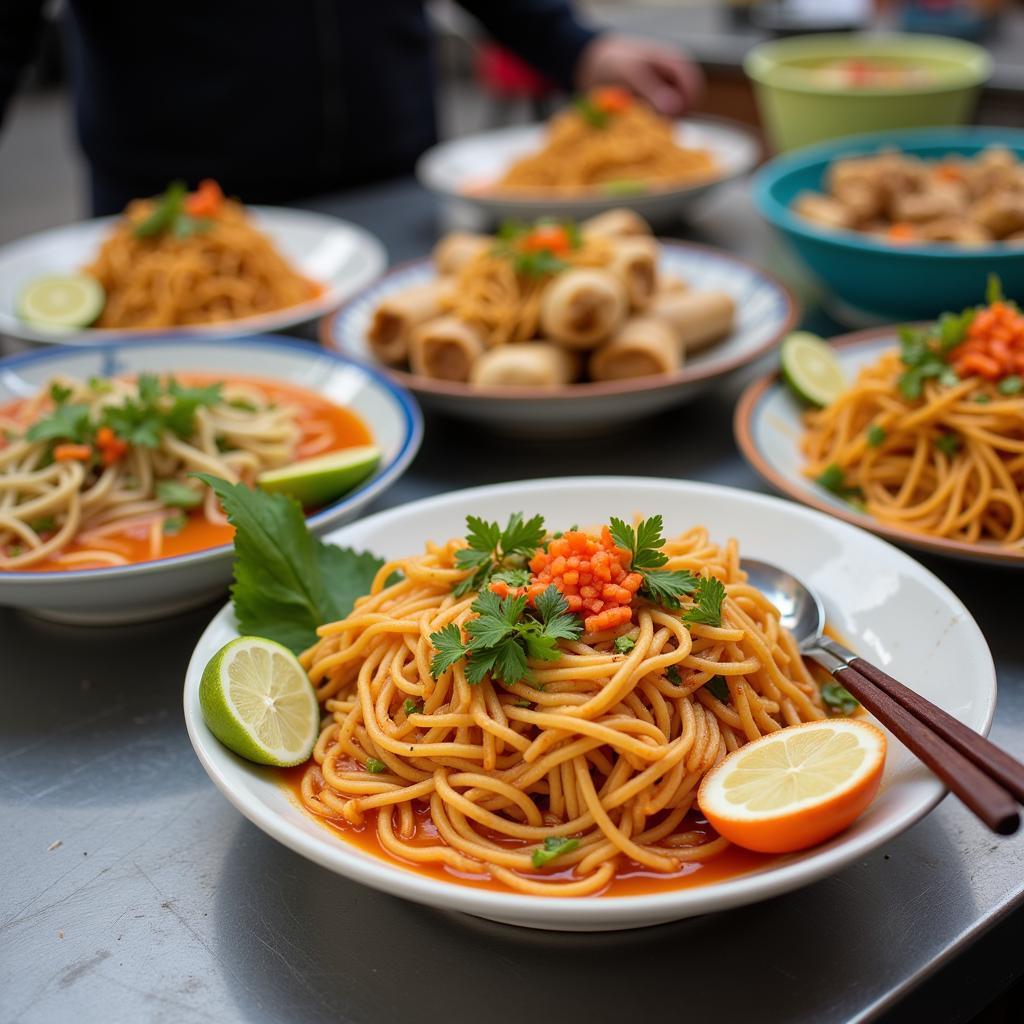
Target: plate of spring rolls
[556, 326]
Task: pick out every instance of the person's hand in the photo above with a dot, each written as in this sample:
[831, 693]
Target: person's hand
[661, 75]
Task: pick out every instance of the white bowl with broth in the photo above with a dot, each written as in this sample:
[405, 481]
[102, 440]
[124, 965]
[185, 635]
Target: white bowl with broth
[152, 589]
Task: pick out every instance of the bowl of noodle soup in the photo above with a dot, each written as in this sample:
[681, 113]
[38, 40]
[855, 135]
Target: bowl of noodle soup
[928, 500]
[276, 268]
[279, 400]
[845, 566]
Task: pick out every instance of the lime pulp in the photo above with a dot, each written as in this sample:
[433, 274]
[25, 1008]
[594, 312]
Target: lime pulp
[810, 369]
[62, 300]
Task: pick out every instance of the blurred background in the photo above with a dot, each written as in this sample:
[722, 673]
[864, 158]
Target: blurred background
[42, 177]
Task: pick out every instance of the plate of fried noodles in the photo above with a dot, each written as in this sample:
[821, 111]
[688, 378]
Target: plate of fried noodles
[188, 263]
[606, 149]
[546, 775]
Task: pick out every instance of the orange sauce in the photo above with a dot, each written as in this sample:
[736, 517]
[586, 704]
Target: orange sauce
[631, 879]
[325, 427]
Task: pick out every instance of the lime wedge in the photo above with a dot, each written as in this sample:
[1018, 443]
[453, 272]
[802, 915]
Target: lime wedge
[323, 478]
[258, 701]
[811, 370]
[70, 300]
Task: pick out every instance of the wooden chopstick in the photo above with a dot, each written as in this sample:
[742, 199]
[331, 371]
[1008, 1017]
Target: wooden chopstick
[993, 804]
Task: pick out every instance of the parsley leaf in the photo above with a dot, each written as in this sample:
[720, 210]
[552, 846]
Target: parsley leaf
[833, 479]
[1011, 385]
[718, 687]
[170, 217]
[662, 586]
[492, 549]
[924, 351]
[673, 676]
[375, 767]
[554, 846]
[624, 644]
[410, 707]
[449, 647]
[707, 602]
[173, 525]
[175, 494]
[65, 423]
[876, 435]
[838, 698]
[287, 582]
[59, 393]
[948, 444]
[590, 113]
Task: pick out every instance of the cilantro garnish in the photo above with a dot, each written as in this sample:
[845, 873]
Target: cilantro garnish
[410, 707]
[876, 435]
[624, 644]
[718, 687]
[375, 767]
[662, 586]
[65, 423]
[554, 846]
[948, 444]
[839, 698]
[169, 216]
[59, 393]
[924, 351]
[707, 602]
[287, 582]
[504, 634]
[492, 549]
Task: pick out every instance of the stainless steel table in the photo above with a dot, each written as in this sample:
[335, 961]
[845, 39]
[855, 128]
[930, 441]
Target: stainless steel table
[161, 903]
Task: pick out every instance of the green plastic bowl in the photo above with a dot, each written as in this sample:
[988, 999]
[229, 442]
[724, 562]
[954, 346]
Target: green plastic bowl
[797, 110]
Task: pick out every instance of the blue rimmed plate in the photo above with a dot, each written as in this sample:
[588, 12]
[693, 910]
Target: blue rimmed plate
[765, 312]
[148, 590]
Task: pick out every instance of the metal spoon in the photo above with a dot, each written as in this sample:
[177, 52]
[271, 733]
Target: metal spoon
[969, 764]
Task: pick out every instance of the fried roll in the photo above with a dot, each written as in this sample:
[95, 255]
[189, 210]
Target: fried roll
[635, 263]
[536, 364]
[582, 307]
[454, 251]
[642, 347]
[615, 224]
[398, 315]
[699, 319]
[445, 349]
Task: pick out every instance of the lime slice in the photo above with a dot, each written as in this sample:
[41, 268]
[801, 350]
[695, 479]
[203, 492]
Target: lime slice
[811, 369]
[70, 300]
[258, 701]
[323, 478]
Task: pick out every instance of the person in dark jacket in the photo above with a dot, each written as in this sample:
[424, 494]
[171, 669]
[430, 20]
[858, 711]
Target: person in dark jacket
[280, 99]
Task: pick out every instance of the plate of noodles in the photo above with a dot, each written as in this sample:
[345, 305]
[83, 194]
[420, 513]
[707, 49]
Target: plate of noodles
[188, 263]
[563, 326]
[555, 787]
[924, 443]
[608, 149]
[102, 519]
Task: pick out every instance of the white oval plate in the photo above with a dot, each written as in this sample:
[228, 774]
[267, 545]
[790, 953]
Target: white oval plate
[768, 428]
[455, 168]
[766, 312]
[148, 590]
[888, 607]
[338, 255]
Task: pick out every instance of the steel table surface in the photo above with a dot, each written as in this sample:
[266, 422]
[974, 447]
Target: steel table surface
[162, 904]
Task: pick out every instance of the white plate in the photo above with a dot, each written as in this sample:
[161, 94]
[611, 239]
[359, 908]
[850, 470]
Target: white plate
[338, 255]
[454, 168]
[889, 607]
[765, 312]
[149, 590]
[768, 428]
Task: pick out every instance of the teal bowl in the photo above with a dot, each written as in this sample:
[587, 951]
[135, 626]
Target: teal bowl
[868, 278]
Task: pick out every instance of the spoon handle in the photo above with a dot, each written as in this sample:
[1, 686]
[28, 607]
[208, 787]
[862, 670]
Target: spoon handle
[976, 748]
[979, 791]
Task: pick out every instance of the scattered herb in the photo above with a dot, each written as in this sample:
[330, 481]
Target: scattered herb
[624, 187]
[44, 524]
[833, 479]
[410, 707]
[591, 113]
[624, 644]
[169, 216]
[876, 435]
[59, 393]
[65, 423]
[513, 577]
[287, 582]
[948, 444]
[1011, 385]
[521, 704]
[554, 846]
[662, 586]
[492, 549]
[673, 676]
[994, 290]
[242, 403]
[504, 634]
[839, 698]
[173, 525]
[175, 494]
[924, 351]
[719, 688]
[375, 767]
[982, 398]
[707, 602]
[100, 385]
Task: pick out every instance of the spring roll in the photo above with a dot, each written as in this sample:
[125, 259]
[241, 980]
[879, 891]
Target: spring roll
[454, 251]
[699, 319]
[582, 307]
[670, 285]
[643, 346]
[536, 364]
[614, 224]
[635, 263]
[445, 349]
[398, 315]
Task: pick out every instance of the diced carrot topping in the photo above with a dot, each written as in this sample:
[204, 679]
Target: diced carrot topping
[611, 99]
[206, 201]
[901, 232]
[949, 172]
[994, 346]
[72, 453]
[553, 238]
